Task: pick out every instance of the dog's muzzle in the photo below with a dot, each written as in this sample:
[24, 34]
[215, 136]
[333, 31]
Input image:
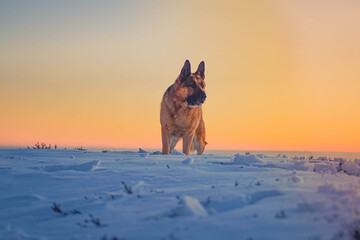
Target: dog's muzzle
[196, 99]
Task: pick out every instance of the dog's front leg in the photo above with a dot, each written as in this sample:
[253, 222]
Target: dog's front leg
[165, 141]
[187, 141]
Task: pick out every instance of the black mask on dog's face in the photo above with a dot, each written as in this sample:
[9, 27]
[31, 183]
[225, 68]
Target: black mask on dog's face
[196, 99]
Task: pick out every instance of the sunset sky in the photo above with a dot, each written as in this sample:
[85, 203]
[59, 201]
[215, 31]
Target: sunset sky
[280, 75]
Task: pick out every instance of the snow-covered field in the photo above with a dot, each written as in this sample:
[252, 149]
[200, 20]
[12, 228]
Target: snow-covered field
[71, 194]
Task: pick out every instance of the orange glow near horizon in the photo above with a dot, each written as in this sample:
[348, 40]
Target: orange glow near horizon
[280, 75]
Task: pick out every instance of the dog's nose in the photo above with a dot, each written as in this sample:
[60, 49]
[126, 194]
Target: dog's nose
[203, 97]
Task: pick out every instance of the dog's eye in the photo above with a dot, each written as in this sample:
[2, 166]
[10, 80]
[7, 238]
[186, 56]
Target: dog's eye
[192, 84]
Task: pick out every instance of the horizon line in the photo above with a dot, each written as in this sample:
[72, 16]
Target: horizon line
[153, 148]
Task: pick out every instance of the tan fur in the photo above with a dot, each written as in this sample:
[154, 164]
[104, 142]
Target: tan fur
[179, 119]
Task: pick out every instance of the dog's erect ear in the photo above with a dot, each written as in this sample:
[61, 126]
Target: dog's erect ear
[201, 69]
[186, 70]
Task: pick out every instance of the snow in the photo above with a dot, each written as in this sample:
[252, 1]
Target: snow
[351, 168]
[326, 168]
[188, 161]
[175, 152]
[72, 194]
[248, 160]
[144, 155]
[190, 206]
[84, 167]
[295, 178]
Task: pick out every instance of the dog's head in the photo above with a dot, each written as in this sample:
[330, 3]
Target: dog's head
[191, 86]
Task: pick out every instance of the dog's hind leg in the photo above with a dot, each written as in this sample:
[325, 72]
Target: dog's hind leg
[199, 145]
[174, 140]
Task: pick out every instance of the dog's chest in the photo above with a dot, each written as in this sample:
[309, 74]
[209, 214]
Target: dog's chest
[184, 120]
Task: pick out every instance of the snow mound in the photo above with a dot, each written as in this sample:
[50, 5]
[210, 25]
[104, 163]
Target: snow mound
[144, 155]
[188, 161]
[325, 168]
[300, 165]
[295, 179]
[85, 167]
[351, 168]
[142, 150]
[250, 159]
[189, 207]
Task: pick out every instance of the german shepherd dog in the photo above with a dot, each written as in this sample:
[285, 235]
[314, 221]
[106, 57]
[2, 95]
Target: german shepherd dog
[181, 113]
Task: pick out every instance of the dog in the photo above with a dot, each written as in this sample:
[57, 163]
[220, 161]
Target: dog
[181, 112]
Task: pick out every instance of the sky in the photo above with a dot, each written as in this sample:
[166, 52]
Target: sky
[280, 74]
